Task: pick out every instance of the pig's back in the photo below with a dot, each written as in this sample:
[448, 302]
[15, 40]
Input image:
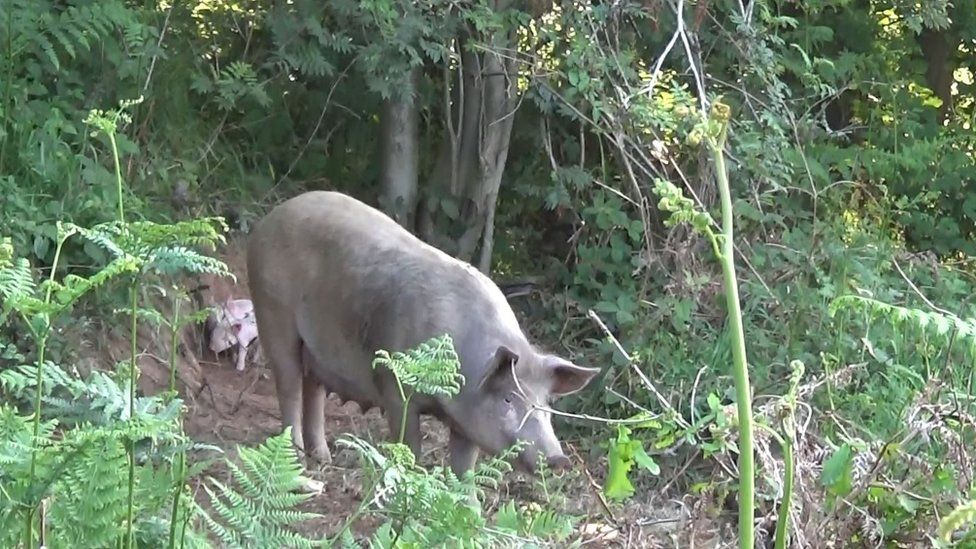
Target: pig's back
[344, 263]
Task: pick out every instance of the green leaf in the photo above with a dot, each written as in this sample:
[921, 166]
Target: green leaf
[837, 471]
[617, 485]
[647, 462]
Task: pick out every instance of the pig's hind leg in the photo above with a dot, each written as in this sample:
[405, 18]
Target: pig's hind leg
[313, 412]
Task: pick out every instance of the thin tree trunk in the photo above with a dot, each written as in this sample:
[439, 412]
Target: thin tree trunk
[498, 104]
[937, 47]
[479, 112]
[488, 237]
[399, 153]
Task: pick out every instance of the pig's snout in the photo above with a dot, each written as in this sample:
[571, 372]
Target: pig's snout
[529, 462]
[558, 463]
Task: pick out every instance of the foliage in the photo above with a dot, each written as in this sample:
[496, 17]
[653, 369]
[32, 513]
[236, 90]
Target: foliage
[957, 519]
[261, 511]
[625, 452]
[851, 162]
[433, 508]
[431, 368]
[81, 476]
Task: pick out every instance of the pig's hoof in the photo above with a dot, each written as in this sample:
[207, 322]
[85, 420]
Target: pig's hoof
[312, 486]
[319, 456]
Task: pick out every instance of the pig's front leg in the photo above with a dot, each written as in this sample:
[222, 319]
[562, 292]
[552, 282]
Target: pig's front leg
[241, 356]
[463, 453]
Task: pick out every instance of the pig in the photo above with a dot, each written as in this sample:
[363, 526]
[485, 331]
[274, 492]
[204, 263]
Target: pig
[333, 280]
[233, 325]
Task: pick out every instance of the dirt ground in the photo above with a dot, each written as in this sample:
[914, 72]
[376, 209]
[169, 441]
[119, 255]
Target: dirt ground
[227, 408]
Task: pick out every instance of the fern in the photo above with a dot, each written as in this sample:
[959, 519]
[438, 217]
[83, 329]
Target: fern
[434, 508]
[162, 248]
[16, 279]
[81, 474]
[45, 32]
[533, 521]
[431, 368]
[37, 303]
[260, 512]
[940, 324]
[90, 506]
[957, 519]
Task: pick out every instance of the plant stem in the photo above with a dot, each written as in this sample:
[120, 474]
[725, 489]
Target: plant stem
[118, 175]
[41, 339]
[134, 347]
[174, 336]
[134, 306]
[783, 524]
[405, 399]
[29, 525]
[177, 496]
[181, 458]
[740, 372]
[352, 518]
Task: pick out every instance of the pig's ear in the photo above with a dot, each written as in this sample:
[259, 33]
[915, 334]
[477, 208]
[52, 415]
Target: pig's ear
[568, 378]
[500, 366]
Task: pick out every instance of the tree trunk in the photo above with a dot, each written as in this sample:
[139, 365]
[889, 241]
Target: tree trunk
[457, 213]
[937, 48]
[472, 160]
[399, 153]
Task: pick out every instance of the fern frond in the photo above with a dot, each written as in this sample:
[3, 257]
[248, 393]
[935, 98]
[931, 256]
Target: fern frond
[261, 510]
[431, 368]
[940, 323]
[16, 280]
[957, 519]
[179, 259]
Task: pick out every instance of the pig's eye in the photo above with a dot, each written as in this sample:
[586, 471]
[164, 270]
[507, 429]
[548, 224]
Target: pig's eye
[508, 399]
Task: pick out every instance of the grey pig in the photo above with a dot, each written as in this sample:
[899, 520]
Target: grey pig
[333, 280]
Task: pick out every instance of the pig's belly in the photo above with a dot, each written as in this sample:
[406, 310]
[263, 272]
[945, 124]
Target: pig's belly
[345, 376]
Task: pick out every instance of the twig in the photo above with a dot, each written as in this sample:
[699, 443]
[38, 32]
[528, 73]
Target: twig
[919, 292]
[680, 473]
[643, 377]
[159, 43]
[596, 488]
[660, 60]
[315, 130]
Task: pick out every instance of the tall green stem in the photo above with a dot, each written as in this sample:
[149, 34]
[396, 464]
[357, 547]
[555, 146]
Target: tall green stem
[177, 496]
[743, 392]
[118, 175]
[29, 525]
[173, 342]
[783, 524]
[403, 415]
[134, 349]
[181, 458]
[41, 338]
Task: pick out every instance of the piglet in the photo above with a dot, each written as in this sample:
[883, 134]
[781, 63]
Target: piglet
[233, 325]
